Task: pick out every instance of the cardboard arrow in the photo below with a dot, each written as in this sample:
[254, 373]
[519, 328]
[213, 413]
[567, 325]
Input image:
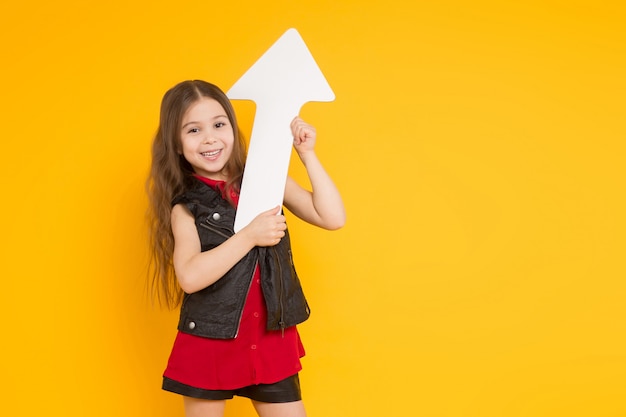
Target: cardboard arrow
[280, 83]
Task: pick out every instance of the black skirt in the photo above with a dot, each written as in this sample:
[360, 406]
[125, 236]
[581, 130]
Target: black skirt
[285, 391]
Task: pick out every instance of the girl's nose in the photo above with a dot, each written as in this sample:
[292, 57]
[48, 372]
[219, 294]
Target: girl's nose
[209, 139]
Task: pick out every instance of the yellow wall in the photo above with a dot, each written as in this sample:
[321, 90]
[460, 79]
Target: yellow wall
[479, 146]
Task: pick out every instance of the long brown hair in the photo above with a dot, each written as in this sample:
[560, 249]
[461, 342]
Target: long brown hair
[171, 175]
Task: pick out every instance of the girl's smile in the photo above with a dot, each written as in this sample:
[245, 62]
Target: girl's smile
[212, 154]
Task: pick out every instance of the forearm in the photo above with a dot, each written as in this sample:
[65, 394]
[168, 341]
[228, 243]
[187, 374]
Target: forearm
[205, 268]
[325, 197]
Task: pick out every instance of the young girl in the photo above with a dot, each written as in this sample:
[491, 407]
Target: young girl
[239, 293]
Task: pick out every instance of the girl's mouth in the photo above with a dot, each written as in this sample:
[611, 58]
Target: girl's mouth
[210, 153]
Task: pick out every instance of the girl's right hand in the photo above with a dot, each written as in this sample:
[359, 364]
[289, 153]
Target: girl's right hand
[267, 228]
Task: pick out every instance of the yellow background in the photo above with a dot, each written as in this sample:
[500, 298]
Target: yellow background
[479, 146]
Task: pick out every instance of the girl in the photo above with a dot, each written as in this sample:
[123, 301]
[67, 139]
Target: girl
[239, 293]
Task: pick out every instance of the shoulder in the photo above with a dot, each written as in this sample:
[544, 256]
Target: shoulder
[193, 190]
[179, 213]
[196, 199]
[183, 223]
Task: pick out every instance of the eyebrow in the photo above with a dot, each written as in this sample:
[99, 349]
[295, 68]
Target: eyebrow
[194, 122]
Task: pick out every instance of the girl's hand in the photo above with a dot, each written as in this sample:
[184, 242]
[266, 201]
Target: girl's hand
[267, 228]
[303, 135]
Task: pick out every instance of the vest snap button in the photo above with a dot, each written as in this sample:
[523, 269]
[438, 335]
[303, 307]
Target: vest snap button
[216, 216]
[192, 325]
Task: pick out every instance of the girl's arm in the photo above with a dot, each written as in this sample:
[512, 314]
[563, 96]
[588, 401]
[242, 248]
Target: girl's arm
[323, 205]
[196, 270]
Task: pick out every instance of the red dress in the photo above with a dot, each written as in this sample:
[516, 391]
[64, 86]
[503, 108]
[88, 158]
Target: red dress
[254, 356]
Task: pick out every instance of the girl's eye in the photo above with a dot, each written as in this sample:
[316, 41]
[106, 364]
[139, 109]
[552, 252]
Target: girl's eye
[193, 130]
[220, 124]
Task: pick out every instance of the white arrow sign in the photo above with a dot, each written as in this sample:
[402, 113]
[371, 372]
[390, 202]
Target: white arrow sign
[280, 83]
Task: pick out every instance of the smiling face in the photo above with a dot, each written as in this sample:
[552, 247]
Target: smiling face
[207, 138]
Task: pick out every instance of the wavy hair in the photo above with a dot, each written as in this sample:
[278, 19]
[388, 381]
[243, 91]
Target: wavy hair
[171, 175]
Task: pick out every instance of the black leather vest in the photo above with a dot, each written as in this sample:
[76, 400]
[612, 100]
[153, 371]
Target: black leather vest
[216, 310]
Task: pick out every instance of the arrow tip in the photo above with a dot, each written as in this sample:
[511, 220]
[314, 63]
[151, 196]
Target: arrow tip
[285, 72]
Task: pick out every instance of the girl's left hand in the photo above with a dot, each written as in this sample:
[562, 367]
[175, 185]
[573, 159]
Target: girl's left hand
[303, 135]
